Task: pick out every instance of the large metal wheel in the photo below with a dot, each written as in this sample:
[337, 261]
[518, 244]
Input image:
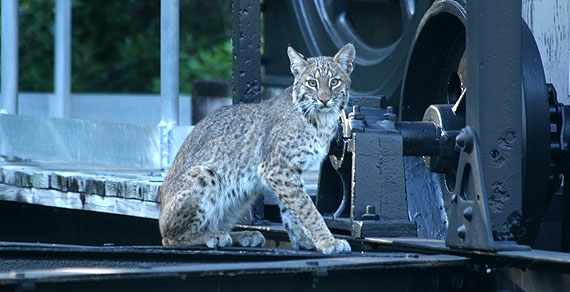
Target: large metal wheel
[382, 32]
[434, 75]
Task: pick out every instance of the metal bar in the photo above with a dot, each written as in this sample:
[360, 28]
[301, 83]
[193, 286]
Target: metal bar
[246, 87]
[565, 162]
[169, 76]
[565, 230]
[60, 104]
[169, 60]
[494, 103]
[9, 57]
[246, 66]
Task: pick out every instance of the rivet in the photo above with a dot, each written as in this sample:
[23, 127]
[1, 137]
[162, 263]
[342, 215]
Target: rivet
[468, 213]
[461, 232]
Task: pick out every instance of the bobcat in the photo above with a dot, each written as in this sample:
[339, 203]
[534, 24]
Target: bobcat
[237, 151]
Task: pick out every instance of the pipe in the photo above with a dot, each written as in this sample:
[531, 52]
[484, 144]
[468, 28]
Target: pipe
[60, 103]
[169, 60]
[9, 78]
[169, 77]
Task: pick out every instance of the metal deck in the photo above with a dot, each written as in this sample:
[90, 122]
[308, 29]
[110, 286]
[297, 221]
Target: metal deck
[395, 265]
[41, 267]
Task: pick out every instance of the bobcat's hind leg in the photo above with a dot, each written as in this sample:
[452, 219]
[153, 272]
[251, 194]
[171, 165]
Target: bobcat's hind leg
[189, 213]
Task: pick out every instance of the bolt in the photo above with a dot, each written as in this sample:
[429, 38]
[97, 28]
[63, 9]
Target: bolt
[370, 213]
[464, 141]
[390, 115]
[356, 114]
[460, 140]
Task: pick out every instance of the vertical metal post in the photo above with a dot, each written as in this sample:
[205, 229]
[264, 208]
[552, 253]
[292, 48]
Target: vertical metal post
[246, 87]
[565, 163]
[246, 68]
[169, 60]
[60, 104]
[494, 105]
[9, 90]
[169, 75]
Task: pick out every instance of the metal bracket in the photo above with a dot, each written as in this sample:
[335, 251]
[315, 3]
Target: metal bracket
[467, 207]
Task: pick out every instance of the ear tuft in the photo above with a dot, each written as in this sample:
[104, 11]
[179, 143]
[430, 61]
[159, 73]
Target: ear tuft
[297, 60]
[345, 58]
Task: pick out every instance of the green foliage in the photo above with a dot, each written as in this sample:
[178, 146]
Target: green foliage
[116, 44]
[209, 63]
[36, 38]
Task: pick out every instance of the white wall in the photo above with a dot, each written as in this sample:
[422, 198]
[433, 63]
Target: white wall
[549, 21]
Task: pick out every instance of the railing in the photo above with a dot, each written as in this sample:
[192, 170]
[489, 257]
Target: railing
[59, 104]
[170, 134]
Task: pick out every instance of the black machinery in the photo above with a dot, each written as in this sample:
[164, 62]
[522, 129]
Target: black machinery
[493, 160]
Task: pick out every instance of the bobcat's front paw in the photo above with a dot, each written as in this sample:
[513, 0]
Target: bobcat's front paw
[218, 239]
[334, 246]
[248, 238]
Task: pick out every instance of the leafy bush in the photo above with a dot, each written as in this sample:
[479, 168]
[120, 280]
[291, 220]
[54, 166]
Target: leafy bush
[214, 63]
[36, 33]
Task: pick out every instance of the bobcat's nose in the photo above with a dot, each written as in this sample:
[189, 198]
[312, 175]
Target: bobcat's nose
[324, 100]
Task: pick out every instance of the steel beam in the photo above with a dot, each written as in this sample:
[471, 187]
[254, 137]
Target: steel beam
[246, 66]
[489, 177]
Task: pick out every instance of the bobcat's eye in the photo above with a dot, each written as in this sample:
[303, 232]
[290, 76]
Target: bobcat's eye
[312, 82]
[335, 82]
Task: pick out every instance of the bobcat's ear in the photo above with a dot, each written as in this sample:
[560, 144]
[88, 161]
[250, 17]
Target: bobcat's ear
[297, 60]
[345, 58]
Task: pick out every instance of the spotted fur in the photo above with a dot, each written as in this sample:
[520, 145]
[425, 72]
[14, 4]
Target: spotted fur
[237, 151]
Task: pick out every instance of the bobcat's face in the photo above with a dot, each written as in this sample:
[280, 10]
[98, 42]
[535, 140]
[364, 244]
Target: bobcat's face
[321, 83]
